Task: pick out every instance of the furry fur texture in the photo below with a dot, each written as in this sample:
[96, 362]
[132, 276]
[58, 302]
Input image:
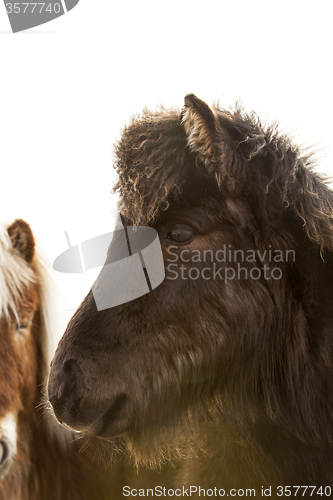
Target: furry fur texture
[230, 379]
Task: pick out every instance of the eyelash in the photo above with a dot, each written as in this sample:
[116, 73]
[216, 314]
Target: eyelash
[22, 326]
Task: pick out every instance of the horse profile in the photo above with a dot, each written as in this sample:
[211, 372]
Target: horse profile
[226, 368]
[38, 458]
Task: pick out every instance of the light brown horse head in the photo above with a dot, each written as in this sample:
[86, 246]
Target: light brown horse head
[19, 345]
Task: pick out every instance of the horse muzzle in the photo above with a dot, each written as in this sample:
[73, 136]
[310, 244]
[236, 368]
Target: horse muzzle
[82, 409]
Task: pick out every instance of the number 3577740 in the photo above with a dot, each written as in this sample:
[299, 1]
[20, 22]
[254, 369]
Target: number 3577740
[32, 7]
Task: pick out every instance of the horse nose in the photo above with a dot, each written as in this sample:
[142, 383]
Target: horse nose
[65, 389]
[75, 405]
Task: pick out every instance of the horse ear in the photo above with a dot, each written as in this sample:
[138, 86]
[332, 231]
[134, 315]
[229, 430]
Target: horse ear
[22, 239]
[201, 128]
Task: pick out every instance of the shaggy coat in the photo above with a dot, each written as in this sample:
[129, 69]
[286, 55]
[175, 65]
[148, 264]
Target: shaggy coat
[229, 379]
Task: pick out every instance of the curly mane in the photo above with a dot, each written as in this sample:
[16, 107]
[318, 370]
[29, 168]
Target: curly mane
[154, 159]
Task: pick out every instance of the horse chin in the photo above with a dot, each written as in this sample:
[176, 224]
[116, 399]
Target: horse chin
[106, 428]
[109, 429]
[112, 423]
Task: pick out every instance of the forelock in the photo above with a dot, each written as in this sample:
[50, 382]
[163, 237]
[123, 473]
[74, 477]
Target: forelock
[150, 159]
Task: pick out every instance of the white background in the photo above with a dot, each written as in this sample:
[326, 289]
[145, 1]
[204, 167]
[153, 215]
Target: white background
[67, 87]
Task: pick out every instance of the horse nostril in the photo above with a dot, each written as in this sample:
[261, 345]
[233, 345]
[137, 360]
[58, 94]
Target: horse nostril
[69, 365]
[3, 452]
[66, 390]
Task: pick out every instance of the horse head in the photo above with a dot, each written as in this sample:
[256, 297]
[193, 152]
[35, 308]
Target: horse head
[237, 335]
[19, 346]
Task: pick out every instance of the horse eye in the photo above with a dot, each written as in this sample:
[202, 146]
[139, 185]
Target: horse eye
[181, 234]
[22, 326]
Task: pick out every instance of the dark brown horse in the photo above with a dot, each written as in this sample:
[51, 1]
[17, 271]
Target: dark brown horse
[38, 458]
[225, 368]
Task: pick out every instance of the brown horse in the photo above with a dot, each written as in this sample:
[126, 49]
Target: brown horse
[226, 368]
[38, 458]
